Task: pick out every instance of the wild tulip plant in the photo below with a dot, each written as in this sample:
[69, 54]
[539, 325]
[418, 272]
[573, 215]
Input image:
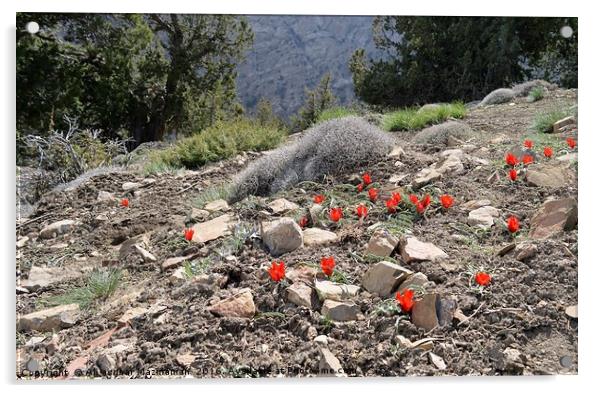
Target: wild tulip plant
[571, 142]
[303, 221]
[373, 194]
[527, 159]
[513, 224]
[327, 264]
[528, 143]
[125, 202]
[405, 300]
[188, 234]
[277, 271]
[318, 199]
[512, 174]
[366, 178]
[446, 201]
[362, 211]
[335, 214]
[547, 151]
[482, 278]
[511, 160]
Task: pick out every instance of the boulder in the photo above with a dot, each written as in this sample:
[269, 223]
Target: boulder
[56, 229]
[334, 291]
[340, 311]
[281, 236]
[384, 277]
[281, 205]
[49, 319]
[554, 217]
[240, 305]
[413, 250]
[213, 229]
[382, 243]
[318, 237]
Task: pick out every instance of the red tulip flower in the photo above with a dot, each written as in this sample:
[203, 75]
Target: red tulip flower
[188, 234]
[125, 202]
[512, 174]
[527, 159]
[446, 201]
[406, 300]
[366, 178]
[420, 207]
[391, 205]
[528, 143]
[413, 199]
[513, 224]
[373, 194]
[303, 222]
[360, 187]
[426, 200]
[547, 151]
[277, 271]
[482, 278]
[511, 159]
[362, 211]
[327, 265]
[571, 142]
[319, 199]
[336, 213]
[396, 197]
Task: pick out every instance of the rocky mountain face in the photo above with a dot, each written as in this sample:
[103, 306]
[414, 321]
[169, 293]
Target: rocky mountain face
[291, 53]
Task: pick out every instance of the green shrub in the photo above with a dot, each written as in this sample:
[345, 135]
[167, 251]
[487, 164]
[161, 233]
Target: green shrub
[536, 94]
[414, 119]
[544, 121]
[335, 113]
[220, 141]
[100, 285]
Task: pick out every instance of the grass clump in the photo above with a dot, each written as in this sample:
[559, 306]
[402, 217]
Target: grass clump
[221, 191]
[536, 94]
[414, 118]
[196, 267]
[100, 285]
[335, 113]
[544, 121]
[220, 141]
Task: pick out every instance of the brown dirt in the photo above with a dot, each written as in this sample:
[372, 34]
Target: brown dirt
[523, 308]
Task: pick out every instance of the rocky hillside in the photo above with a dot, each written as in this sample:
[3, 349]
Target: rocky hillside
[106, 287]
[291, 53]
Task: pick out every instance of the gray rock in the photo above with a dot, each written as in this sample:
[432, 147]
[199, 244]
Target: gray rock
[318, 237]
[302, 295]
[425, 176]
[213, 229]
[56, 229]
[217, 205]
[49, 319]
[413, 250]
[424, 312]
[105, 196]
[525, 251]
[340, 311]
[281, 236]
[106, 363]
[330, 365]
[498, 96]
[415, 281]
[240, 305]
[129, 186]
[382, 243]
[335, 291]
[384, 277]
[570, 120]
[542, 175]
[281, 205]
[483, 217]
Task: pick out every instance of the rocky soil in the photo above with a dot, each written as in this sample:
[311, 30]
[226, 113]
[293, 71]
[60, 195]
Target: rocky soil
[208, 308]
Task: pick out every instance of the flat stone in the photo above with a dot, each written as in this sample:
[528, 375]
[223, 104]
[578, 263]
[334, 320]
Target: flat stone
[541, 175]
[217, 205]
[382, 243]
[384, 277]
[105, 196]
[396, 152]
[127, 186]
[132, 314]
[415, 281]
[178, 276]
[569, 157]
[281, 236]
[483, 217]
[506, 249]
[554, 217]
[146, 256]
[321, 340]
[22, 241]
[318, 237]
[425, 176]
[562, 123]
[302, 295]
[413, 250]
[424, 312]
[213, 229]
[571, 311]
[437, 361]
[282, 205]
[185, 360]
[49, 319]
[199, 214]
[330, 365]
[403, 342]
[240, 305]
[451, 163]
[43, 277]
[171, 263]
[335, 291]
[525, 251]
[397, 178]
[340, 311]
[302, 273]
[56, 229]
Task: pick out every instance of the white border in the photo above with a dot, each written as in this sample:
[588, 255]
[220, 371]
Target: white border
[590, 122]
